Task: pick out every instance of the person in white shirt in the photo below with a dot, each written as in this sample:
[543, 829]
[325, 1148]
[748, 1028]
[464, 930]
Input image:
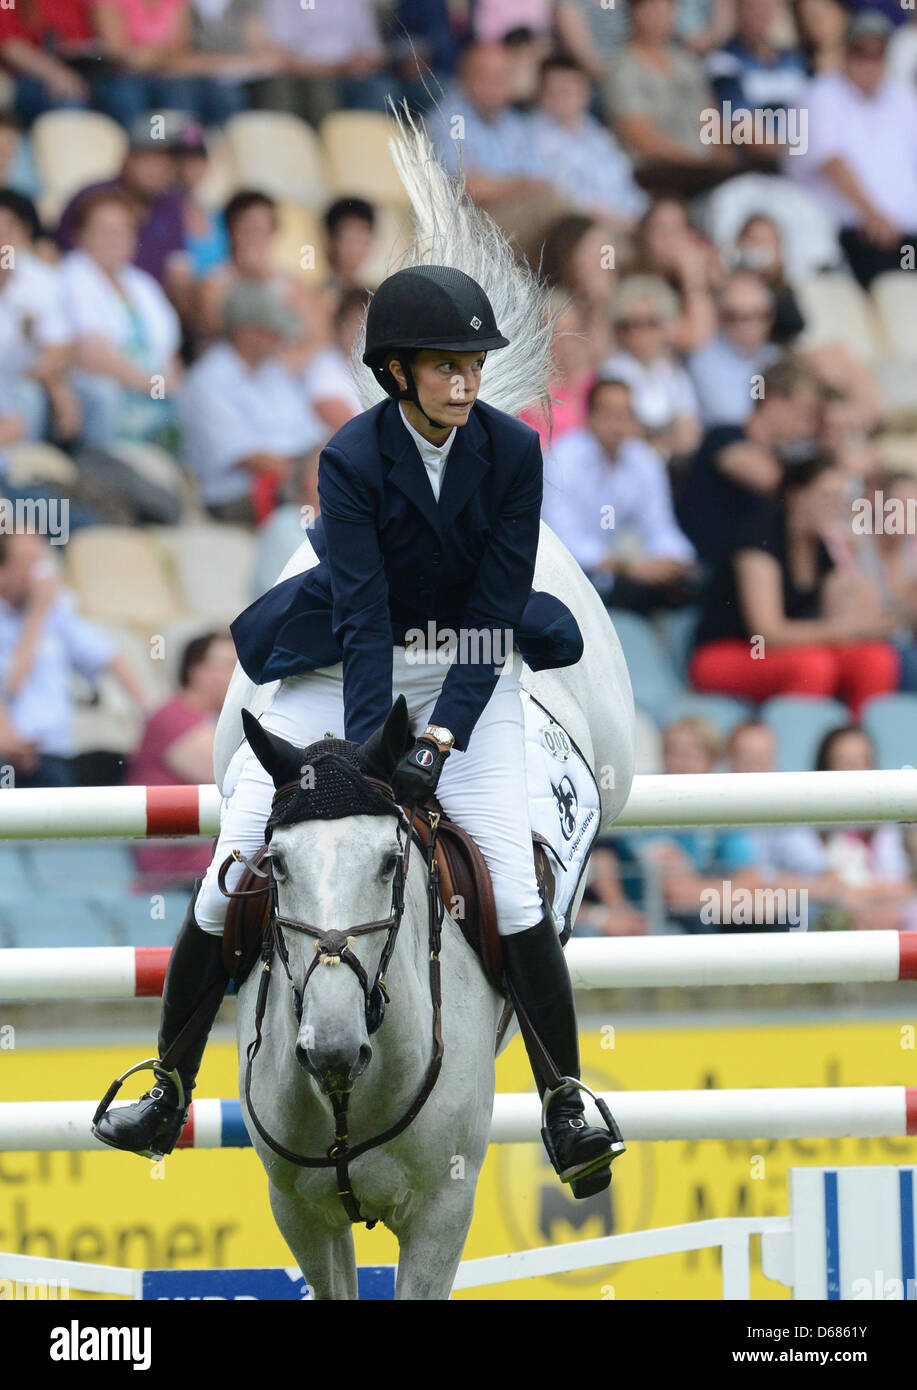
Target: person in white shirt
[861, 162]
[588, 164]
[244, 415]
[327, 378]
[35, 339]
[663, 399]
[607, 497]
[126, 333]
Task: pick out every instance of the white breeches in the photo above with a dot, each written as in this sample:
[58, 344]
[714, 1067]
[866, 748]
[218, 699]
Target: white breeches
[483, 788]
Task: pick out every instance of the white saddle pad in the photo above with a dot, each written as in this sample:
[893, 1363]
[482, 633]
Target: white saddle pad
[564, 803]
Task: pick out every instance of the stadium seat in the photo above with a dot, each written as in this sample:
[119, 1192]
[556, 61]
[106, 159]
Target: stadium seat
[800, 723]
[809, 234]
[96, 868]
[891, 722]
[149, 919]
[894, 297]
[117, 573]
[358, 159]
[723, 711]
[300, 229]
[656, 686]
[15, 868]
[836, 309]
[899, 451]
[32, 461]
[677, 628]
[55, 919]
[73, 149]
[212, 567]
[278, 154]
[158, 466]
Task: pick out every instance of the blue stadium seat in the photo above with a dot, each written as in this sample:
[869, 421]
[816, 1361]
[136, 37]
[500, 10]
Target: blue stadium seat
[677, 629]
[93, 867]
[136, 923]
[55, 919]
[15, 868]
[655, 682]
[800, 723]
[891, 722]
[723, 711]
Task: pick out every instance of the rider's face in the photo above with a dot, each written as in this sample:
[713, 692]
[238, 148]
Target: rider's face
[447, 383]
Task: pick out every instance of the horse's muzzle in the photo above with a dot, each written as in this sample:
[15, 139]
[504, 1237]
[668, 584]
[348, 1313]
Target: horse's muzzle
[334, 1071]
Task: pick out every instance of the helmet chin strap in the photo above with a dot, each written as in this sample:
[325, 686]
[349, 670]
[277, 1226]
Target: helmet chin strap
[411, 394]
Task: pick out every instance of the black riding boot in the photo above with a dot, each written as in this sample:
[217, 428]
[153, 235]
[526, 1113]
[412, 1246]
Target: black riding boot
[538, 978]
[153, 1124]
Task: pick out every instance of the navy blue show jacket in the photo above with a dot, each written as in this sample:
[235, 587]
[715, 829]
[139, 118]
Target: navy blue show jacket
[392, 558]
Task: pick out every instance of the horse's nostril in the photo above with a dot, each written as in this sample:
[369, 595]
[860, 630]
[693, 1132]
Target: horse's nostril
[366, 1055]
[302, 1057]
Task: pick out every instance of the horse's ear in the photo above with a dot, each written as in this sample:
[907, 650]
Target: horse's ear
[278, 758]
[383, 749]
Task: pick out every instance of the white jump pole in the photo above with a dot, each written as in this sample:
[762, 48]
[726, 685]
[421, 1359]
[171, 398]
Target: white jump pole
[126, 972]
[856, 1112]
[753, 798]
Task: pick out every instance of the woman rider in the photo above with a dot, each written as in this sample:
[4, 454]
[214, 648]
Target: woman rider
[430, 513]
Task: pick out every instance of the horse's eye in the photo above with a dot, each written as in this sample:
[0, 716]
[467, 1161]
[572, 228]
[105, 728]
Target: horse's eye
[389, 863]
[278, 864]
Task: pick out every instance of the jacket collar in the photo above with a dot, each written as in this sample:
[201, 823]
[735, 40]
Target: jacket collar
[466, 465]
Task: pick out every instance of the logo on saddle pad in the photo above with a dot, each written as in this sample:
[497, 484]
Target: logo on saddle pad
[556, 741]
[423, 757]
[567, 805]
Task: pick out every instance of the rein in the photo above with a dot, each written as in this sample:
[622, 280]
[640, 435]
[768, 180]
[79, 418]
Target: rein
[331, 947]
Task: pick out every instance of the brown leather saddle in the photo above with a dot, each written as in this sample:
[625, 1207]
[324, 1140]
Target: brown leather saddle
[464, 882]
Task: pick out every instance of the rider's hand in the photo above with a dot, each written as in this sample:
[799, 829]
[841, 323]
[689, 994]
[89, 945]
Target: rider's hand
[416, 776]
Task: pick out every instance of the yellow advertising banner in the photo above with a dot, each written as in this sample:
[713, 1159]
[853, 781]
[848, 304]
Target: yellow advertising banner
[211, 1208]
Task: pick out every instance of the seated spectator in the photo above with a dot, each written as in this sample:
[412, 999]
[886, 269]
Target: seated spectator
[43, 639]
[603, 483]
[592, 33]
[661, 393]
[871, 861]
[735, 474]
[727, 371]
[228, 50]
[329, 56]
[574, 361]
[328, 380]
[612, 901]
[38, 41]
[284, 531]
[126, 334]
[758, 252]
[525, 30]
[821, 26]
[751, 73]
[244, 415]
[781, 618]
[350, 225]
[35, 338]
[148, 176]
[141, 43]
[176, 749]
[862, 129]
[694, 864]
[578, 258]
[590, 168]
[206, 239]
[477, 131]
[251, 224]
[667, 245]
[424, 48]
[759, 249]
[655, 97]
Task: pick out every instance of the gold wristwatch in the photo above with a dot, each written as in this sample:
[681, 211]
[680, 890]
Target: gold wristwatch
[444, 737]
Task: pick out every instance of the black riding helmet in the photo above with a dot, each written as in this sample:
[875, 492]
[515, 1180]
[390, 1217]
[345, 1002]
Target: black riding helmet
[427, 306]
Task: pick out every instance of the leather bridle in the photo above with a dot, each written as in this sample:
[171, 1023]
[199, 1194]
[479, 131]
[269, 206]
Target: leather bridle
[332, 947]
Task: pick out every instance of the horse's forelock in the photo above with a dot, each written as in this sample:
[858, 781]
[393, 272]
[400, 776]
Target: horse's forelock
[331, 787]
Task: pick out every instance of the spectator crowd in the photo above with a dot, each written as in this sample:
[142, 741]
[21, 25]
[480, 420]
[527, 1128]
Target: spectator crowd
[722, 195]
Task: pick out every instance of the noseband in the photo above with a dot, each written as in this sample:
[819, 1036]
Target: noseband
[334, 947]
